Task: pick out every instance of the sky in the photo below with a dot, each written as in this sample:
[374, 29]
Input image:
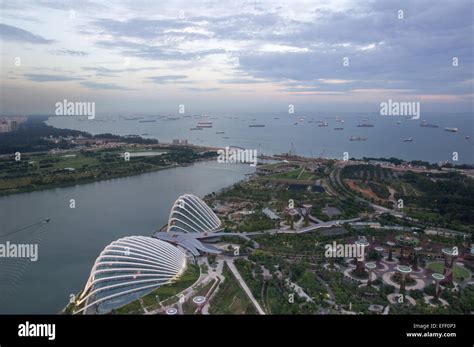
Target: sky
[149, 57]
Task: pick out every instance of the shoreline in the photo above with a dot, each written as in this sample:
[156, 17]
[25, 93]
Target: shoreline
[88, 181]
[109, 146]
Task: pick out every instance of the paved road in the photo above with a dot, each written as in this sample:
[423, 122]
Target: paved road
[244, 286]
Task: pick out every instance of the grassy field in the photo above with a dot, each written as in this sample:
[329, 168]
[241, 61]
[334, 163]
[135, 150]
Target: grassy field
[460, 273]
[298, 174]
[231, 299]
[46, 170]
[187, 280]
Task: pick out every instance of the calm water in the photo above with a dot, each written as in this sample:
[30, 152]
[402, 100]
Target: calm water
[105, 211]
[384, 140]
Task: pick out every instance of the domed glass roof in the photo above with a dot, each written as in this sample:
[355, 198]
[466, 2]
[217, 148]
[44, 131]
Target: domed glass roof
[129, 268]
[190, 214]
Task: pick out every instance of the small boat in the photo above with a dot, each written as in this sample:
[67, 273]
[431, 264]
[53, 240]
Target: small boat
[425, 124]
[220, 132]
[453, 130]
[467, 137]
[365, 125]
[204, 125]
[410, 139]
[338, 128]
[358, 138]
[324, 124]
[256, 125]
[197, 128]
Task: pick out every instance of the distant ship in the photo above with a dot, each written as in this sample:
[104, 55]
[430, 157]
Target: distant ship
[410, 139]
[365, 125]
[467, 137]
[357, 138]
[453, 130]
[197, 128]
[424, 124]
[148, 121]
[338, 128]
[399, 122]
[204, 125]
[324, 124]
[220, 132]
[256, 125]
[276, 118]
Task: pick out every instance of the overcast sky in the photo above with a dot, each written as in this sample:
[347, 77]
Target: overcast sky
[235, 56]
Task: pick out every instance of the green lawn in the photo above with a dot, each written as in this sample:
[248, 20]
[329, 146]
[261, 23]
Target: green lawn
[298, 174]
[164, 292]
[459, 272]
[231, 299]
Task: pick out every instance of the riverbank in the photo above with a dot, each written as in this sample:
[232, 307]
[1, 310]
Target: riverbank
[40, 171]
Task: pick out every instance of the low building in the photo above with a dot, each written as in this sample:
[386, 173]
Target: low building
[270, 214]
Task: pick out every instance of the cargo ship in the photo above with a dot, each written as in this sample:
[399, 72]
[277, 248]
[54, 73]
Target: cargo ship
[358, 138]
[424, 124]
[204, 125]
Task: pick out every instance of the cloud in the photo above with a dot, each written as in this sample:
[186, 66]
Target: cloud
[298, 53]
[145, 28]
[241, 81]
[169, 79]
[108, 72]
[50, 78]
[107, 86]
[69, 52]
[201, 90]
[11, 33]
[150, 52]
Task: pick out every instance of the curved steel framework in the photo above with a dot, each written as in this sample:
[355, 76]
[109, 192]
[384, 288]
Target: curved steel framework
[128, 269]
[190, 214]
